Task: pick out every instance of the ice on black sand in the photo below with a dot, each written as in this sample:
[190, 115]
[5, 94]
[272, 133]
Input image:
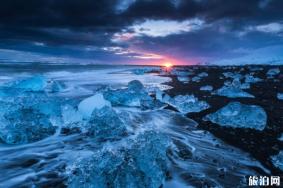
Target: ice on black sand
[238, 115]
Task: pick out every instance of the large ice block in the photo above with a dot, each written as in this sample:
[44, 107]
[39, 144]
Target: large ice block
[105, 124]
[131, 96]
[142, 163]
[87, 105]
[238, 115]
[233, 90]
[23, 124]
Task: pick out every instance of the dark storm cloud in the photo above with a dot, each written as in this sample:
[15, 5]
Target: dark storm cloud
[69, 26]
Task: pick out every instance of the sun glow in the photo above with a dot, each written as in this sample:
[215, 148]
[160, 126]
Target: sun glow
[167, 64]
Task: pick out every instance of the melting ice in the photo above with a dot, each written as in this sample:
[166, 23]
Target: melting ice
[238, 115]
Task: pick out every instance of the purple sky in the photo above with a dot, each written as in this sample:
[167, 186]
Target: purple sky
[142, 31]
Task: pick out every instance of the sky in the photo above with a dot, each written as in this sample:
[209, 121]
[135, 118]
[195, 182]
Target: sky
[142, 31]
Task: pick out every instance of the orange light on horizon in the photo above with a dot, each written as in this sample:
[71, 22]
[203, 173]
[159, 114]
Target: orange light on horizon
[168, 64]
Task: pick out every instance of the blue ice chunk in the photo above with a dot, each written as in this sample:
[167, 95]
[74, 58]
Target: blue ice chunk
[105, 124]
[183, 79]
[280, 96]
[233, 90]
[135, 86]
[239, 115]
[196, 79]
[206, 88]
[28, 117]
[245, 86]
[23, 124]
[188, 103]
[273, 72]
[56, 86]
[277, 160]
[251, 79]
[35, 83]
[142, 163]
[232, 75]
[131, 96]
[87, 105]
[203, 74]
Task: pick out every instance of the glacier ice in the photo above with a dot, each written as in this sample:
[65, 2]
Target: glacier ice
[251, 79]
[239, 115]
[71, 116]
[206, 88]
[131, 96]
[277, 160]
[232, 75]
[87, 105]
[105, 124]
[56, 86]
[203, 74]
[196, 79]
[280, 96]
[183, 79]
[25, 121]
[233, 90]
[142, 163]
[273, 72]
[35, 83]
[188, 103]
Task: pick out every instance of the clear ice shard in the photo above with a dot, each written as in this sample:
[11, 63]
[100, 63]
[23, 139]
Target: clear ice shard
[141, 163]
[131, 96]
[35, 83]
[105, 124]
[239, 115]
[273, 72]
[233, 90]
[206, 88]
[87, 105]
[280, 96]
[277, 160]
[187, 103]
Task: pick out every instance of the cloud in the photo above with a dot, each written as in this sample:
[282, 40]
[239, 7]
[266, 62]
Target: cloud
[138, 29]
[269, 28]
[163, 28]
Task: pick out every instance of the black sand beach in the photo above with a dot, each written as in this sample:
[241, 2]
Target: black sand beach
[260, 144]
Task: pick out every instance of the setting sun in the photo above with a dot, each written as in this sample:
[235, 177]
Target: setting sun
[168, 64]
